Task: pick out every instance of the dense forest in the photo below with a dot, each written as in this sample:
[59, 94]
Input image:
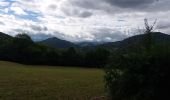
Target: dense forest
[23, 50]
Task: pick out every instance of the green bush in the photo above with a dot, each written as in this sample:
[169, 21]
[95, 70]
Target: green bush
[139, 75]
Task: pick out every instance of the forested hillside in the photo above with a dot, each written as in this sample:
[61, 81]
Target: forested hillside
[23, 50]
[54, 51]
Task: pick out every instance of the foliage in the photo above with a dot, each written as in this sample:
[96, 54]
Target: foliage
[140, 73]
[97, 58]
[23, 50]
[139, 76]
[23, 36]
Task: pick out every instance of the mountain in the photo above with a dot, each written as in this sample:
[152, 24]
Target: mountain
[88, 44]
[136, 40]
[54, 42]
[157, 38]
[57, 43]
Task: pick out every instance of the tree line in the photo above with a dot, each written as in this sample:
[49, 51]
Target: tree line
[22, 49]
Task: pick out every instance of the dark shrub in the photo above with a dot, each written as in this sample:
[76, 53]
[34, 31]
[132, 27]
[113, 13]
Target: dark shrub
[139, 75]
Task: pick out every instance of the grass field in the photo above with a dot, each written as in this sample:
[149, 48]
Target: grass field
[23, 82]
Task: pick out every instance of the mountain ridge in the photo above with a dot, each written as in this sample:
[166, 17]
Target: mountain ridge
[55, 42]
[157, 38]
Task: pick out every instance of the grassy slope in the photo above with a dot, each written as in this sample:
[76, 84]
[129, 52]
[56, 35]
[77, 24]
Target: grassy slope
[21, 82]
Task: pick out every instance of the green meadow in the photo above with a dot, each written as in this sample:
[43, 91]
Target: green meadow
[26, 82]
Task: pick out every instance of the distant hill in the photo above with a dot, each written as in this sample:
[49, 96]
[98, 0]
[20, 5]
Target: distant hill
[136, 40]
[57, 43]
[88, 44]
[157, 38]
[5, 38]
[54, 42]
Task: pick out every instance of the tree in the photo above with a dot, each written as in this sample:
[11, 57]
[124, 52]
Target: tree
[23, 36]
[71, 57]
[97, 58]
[148, 32]
[142, 75]
[17, 49]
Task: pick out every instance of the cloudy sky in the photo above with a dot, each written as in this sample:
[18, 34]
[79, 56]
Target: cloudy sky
[82, 20]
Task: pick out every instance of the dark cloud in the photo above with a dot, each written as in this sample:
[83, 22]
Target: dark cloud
[130, 3]
[119, 6]
[85, 14]
[52, 7]
[88, 4]
[76, 12]
[38, 28]
[92, 5]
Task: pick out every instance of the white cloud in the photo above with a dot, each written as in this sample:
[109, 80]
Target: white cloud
[79, 20]
[18, 11]
[3, 3]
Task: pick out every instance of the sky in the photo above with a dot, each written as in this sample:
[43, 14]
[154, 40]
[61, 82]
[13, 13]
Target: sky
[83, 20]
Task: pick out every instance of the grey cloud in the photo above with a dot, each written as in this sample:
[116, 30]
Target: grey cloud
[40, 36]
[119, 6]
[63, 36]
[52, 7]
[88, 4]
[163, 25]
[133, 11]
[108, 35]
[19, 31]
[38, 28]
[130, 3]
[92, 5]
[2, 23]
[85, 14]
[76, 12]
[160, 5]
